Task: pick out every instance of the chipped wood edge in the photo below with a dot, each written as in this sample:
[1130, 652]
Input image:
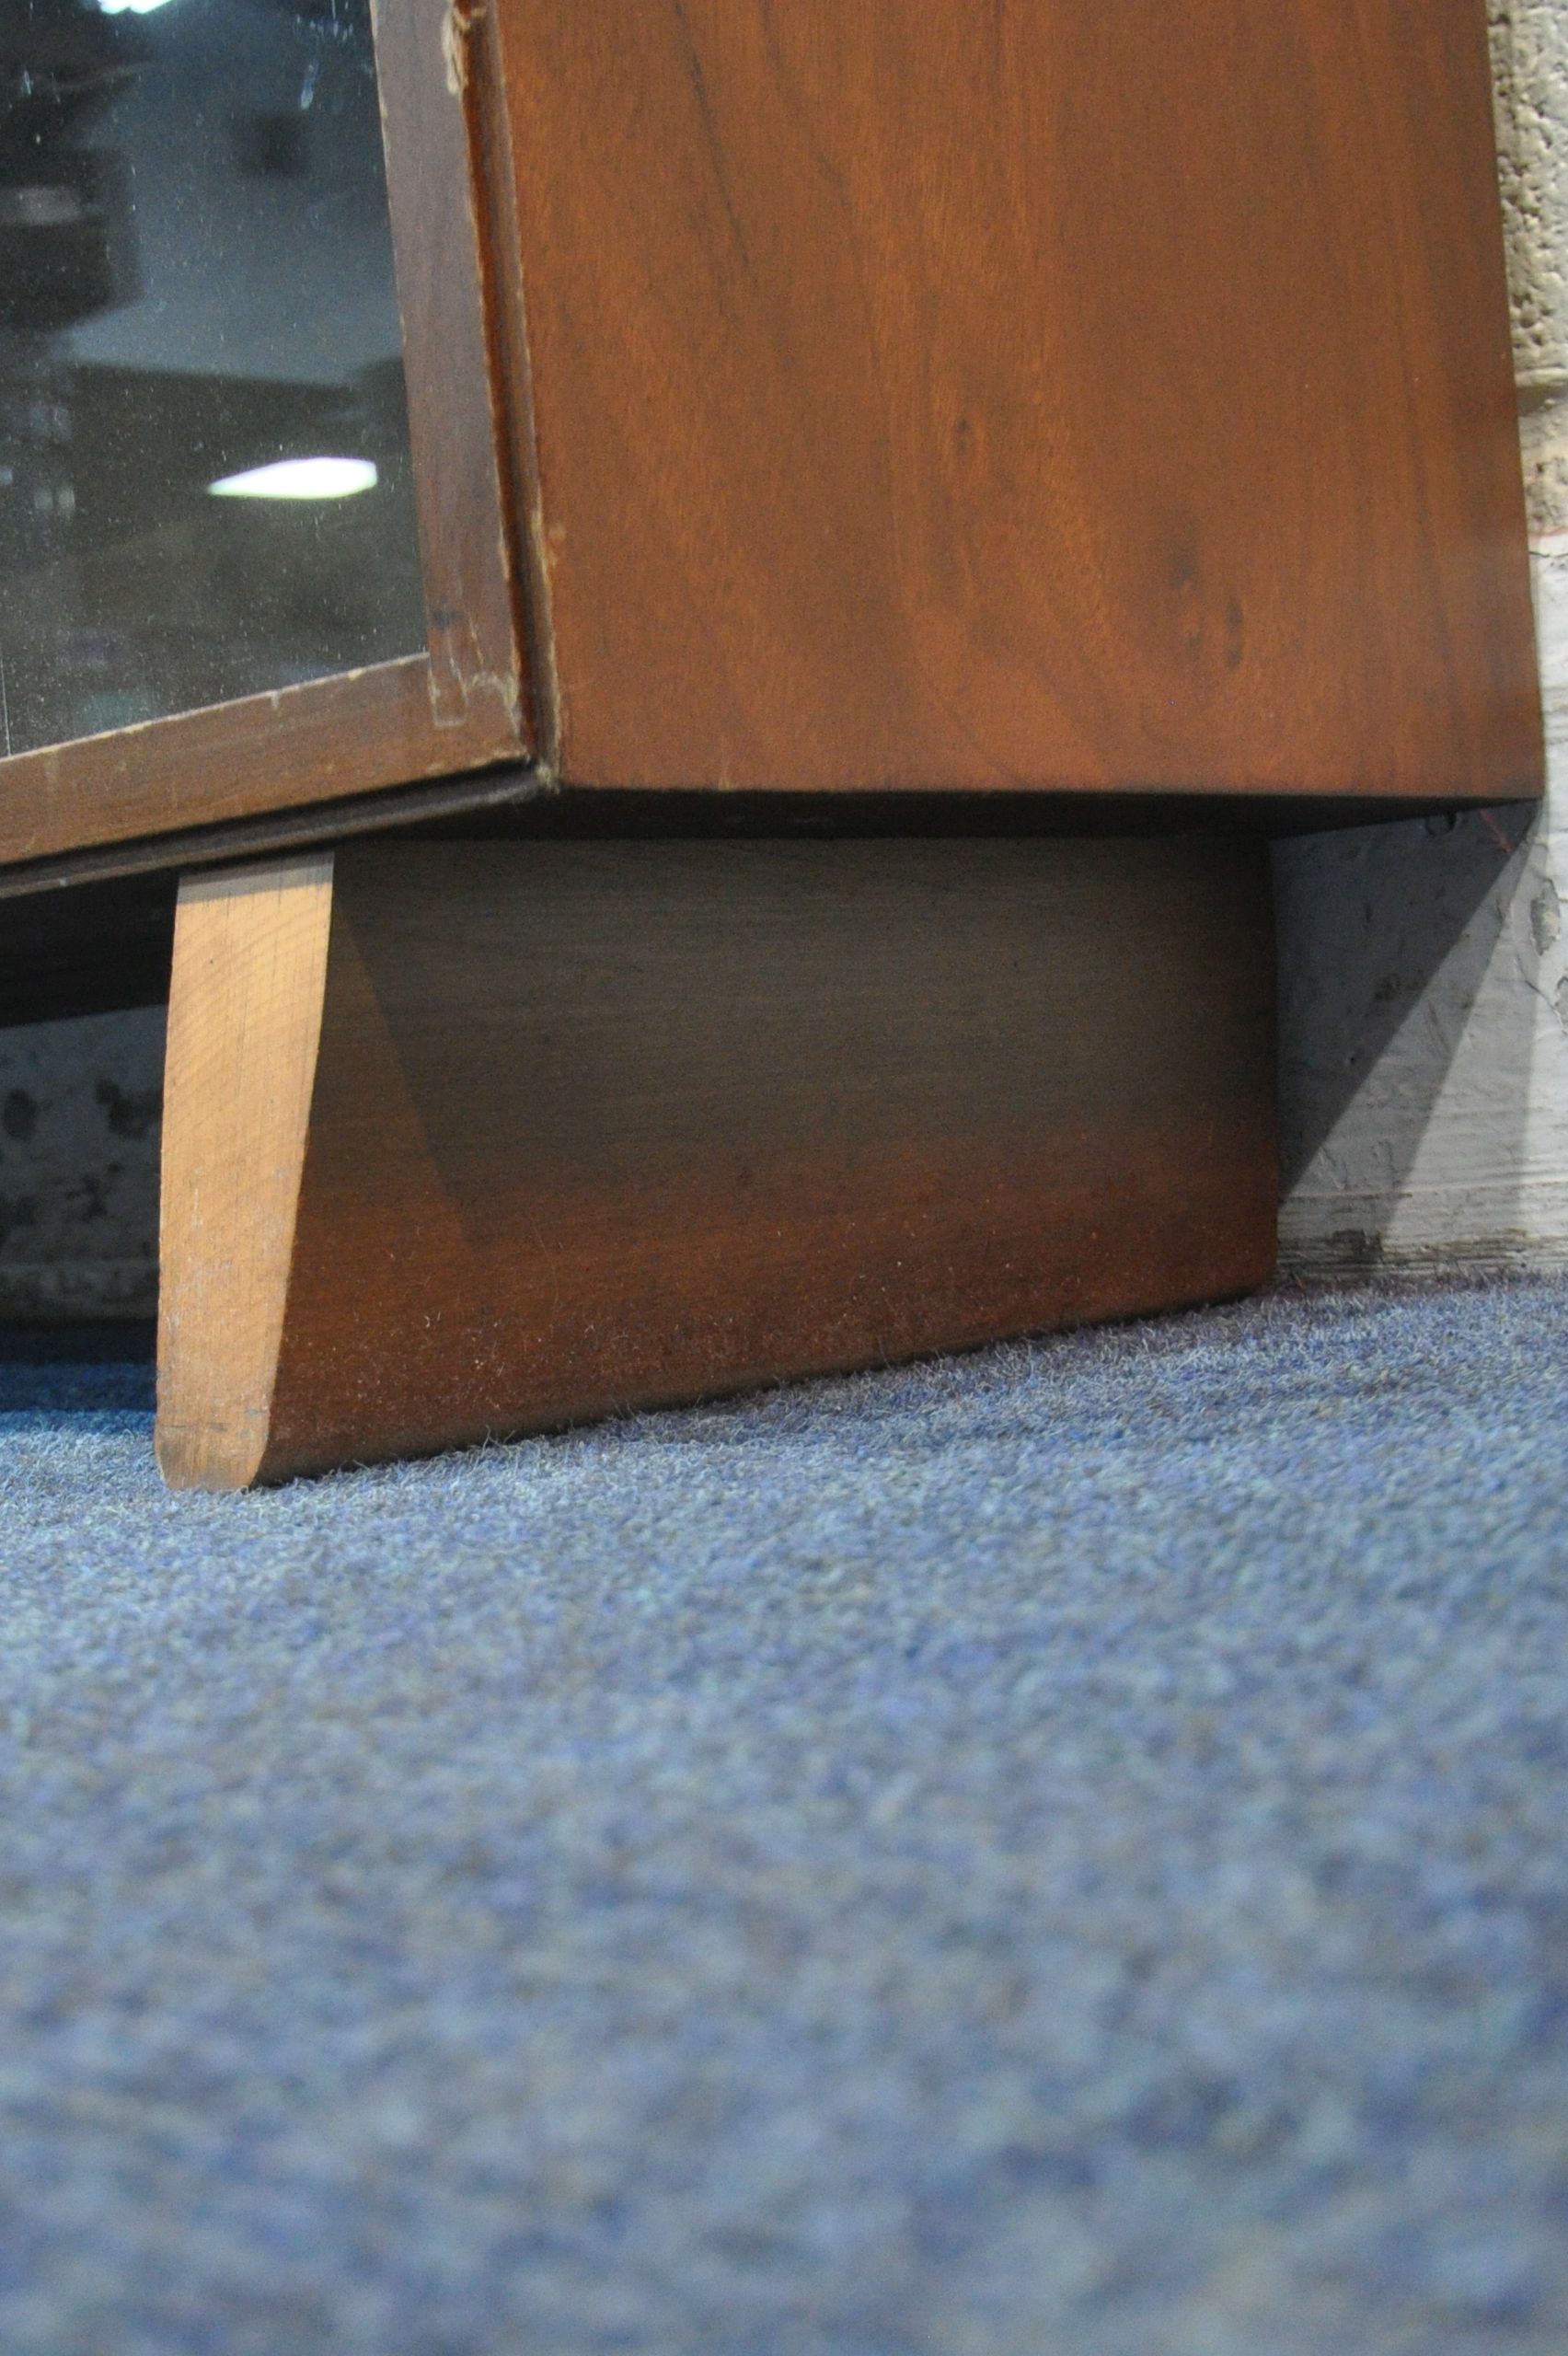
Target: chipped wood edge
[251, 953]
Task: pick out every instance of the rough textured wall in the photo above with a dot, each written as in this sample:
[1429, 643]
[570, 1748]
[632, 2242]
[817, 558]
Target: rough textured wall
[1529, 49]
[1424, 968]
[1425, 1046]
[79, 1106]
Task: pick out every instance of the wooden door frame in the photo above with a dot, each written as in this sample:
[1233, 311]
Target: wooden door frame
[465, 703]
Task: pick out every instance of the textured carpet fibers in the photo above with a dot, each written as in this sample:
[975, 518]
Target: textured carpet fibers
[1064, 1850]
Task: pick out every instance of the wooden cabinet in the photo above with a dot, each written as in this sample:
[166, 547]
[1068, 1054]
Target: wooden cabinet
[1067, 394]
[852, 407]
[1084, 396]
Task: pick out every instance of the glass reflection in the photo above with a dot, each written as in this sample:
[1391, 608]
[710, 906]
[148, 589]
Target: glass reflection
[205, 488]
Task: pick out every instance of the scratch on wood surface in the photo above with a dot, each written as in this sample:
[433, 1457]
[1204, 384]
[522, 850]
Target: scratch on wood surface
[456, 24]
[547, 545]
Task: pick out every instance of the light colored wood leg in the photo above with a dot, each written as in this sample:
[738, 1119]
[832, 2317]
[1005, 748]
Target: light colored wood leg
[472, 1140]
[244, 1030]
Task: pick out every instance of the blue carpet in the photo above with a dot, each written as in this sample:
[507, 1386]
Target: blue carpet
[1060, 1853]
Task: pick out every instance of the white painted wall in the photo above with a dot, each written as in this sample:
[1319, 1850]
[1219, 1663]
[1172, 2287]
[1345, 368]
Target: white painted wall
[1425, 1019]
[1424, 967]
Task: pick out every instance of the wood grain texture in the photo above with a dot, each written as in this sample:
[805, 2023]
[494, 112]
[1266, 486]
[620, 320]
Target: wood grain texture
[470, 803]
[244, 1028]
[320, 741]
[426, 64]
[599, 1125]
[1083, 394]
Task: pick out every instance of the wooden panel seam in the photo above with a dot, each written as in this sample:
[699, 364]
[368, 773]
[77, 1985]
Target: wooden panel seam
[456, 425]
[474, 46]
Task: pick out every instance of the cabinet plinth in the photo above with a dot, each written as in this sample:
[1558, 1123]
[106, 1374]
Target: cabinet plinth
[472, 1141]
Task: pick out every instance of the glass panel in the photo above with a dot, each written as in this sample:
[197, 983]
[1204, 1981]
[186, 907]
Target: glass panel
[205, 488]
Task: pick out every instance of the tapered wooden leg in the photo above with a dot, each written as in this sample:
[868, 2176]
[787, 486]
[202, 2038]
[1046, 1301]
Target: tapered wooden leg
[470, 1139]
[244, 1036]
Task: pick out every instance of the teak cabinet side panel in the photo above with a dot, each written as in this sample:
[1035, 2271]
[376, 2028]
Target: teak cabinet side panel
[1062, 394]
